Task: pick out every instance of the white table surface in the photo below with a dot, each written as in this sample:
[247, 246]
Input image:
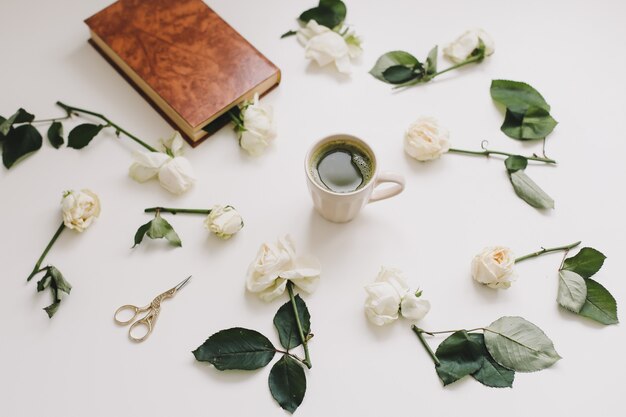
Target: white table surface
[81, 363]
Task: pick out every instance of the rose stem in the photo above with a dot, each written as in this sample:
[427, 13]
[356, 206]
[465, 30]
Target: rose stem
[176, 210]
[476, 58]
[544, 250]
[488, 152]
[305, 345]
[45, 252]
[420, 336]
[70, 109]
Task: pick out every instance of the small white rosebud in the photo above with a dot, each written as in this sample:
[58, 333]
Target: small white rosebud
[463, 47]
[79, 209]
[426, 139]
[493, 267]
[223, 221]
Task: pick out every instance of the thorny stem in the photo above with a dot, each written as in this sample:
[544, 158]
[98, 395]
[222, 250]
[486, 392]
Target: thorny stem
[71, 109]
[427, 78]
[45, 252]
[544, 250]
[419, 332]
[305, 344]
[488, 152]
[176, 210]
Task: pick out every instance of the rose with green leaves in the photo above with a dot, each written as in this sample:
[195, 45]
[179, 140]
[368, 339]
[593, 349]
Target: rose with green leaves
[254, 125]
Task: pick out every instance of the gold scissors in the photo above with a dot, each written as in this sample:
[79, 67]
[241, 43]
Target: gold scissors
[152, 311]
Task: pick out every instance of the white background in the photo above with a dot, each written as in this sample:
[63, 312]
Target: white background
[81, 363]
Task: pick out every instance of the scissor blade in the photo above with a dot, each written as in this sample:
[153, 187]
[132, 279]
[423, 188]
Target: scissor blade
[182, 283]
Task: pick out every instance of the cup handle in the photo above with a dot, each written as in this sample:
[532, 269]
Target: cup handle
[387, 192]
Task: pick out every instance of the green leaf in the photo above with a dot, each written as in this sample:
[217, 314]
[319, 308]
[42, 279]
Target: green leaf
[55, 134]
[285, 322]
[20, 116]
[529, 191]
[158, 228]
[572, 291]
[517, 96]
[459, 355]
[236, 348]
[2, 136]
[82, 134]
[52, 309]
[20, 142]
[287, 383]
[600, 304]
[329, 13]
[515, 163]
[517, 344]
[288, 33]
[53, 279]
[431, 61]
[491, 373]
[585, 263]
[535, 123]
[399, 74]
[391, 59]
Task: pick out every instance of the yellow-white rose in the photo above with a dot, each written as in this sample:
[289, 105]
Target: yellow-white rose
[494, 267]
[326, 46]
[260, 129]
[461, 49]
[79, 208]
[223, 221]
[426, 139]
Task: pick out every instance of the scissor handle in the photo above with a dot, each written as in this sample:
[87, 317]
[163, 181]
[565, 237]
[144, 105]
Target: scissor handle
[136, 310]
[147, 322]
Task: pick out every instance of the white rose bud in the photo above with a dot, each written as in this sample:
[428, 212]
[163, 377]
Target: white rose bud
[223, 221]
[494, 267]
[176, 175]
[426, 140]
[461, 49]
[382, 304]
[275, 264]
[413, 307]
[260, 129]
[79, 209]
[173, 145]
[325, 46]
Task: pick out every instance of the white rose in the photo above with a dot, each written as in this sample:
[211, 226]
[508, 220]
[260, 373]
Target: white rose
[461, 49]
[79, 209]
[494, 267]
[390, 296]
[426, 140]
[276, 263]
[176, 175]
[325, 46]
[146, 165]
[223, 221]
[260, 129]
[173, 145]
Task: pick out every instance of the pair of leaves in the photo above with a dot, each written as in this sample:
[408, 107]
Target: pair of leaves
[582, 295]
[524, 187]
[401, 68]
[509, 344]
[54, 280]
[158, 228]
[527, 113]
[245, 349]
[329, 13]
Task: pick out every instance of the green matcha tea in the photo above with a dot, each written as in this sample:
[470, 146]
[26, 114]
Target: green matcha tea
[341, 167]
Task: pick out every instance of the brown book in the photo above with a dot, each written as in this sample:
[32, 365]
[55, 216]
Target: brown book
[184, 59]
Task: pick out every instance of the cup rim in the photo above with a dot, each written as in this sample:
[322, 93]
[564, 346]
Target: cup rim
[330, 138]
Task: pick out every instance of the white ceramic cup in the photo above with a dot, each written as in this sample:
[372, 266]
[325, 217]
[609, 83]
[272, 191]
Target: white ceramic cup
[343, 207]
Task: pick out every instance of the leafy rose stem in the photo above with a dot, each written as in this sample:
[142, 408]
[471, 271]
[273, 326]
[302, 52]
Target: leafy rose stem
[487, 152]
[565, 248]
[72, 109]
[176, 210]
[420, 335]
[45, 252]
[427, 78]
[305, 344]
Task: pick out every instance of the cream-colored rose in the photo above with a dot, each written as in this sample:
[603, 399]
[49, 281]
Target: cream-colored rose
[326, 46]
[426, 139]
[147, 165]
[494, 267]
[79, 209]
[176, 175]
[260, 129]
[223, 221]
[276, 263]
[413, 307]
[461, 49]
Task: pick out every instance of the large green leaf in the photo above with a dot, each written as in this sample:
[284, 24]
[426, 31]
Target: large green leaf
[517, 344]
[585, 263]
[158, 228]
[329, 13]
[399, 74]
[529, 191]
[82, 134]
[285, 322]
[287, 383]
[491, 373]
[517, 96]
[600, 304]
[20, 116]
[572, 291]
[55, 134]
[459, 356]
[236, 348]
[535, 123]
[20, 141]
[391, 59]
